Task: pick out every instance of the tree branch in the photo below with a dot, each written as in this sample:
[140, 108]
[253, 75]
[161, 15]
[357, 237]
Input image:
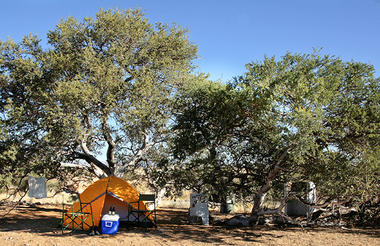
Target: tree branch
[91, 159]
[139, 156]
[259, 197]
[111, 144]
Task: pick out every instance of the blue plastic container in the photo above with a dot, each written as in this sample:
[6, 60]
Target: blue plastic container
[110, 223]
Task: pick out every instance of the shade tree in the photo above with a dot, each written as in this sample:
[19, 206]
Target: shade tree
[299, 118]
[100, 94]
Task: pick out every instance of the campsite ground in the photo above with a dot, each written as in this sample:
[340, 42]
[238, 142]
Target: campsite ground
[31, 226]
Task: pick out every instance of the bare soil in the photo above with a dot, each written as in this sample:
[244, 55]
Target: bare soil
[29, 226]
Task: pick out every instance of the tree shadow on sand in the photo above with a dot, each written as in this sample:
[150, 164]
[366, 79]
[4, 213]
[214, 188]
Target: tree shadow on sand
[172, 226]
[32, 219]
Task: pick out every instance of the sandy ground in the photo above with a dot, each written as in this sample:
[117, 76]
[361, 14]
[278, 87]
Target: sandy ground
[29, 226]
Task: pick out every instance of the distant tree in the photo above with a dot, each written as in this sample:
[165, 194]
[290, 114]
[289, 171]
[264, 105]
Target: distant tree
[300, 118]
[101, 85]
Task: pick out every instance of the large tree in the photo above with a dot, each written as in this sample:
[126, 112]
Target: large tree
[299, 118]
[102, 85]
[326, 112]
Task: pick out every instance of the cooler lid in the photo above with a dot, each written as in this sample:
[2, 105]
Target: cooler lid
[111, 217]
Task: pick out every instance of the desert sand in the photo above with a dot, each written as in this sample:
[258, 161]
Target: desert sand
[29, 226]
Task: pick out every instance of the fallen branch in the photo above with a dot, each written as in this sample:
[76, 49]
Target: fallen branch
[15, 205]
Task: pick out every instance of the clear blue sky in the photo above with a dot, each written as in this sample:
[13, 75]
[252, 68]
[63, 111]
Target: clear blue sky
[229, 33]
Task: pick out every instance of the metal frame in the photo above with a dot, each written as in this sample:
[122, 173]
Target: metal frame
[143, 213]
[71, 218]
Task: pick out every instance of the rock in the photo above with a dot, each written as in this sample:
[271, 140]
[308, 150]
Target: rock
[238, 220]
[195, 220]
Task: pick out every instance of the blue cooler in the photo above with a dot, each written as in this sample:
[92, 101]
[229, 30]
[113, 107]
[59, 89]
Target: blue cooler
[110, 223]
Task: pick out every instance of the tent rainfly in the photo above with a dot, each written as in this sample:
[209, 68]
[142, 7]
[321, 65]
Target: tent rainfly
[110, 192]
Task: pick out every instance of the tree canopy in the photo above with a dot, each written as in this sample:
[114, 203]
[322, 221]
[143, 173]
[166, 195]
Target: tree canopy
[101, 85]
[299, 118]
[120, 86]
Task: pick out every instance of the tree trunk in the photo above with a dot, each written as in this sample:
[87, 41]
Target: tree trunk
[258, 202]
[259, 197]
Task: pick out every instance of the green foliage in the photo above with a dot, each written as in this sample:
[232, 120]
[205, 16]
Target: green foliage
[327, 110]
[299, 118]
[104, 84]
[216, 141]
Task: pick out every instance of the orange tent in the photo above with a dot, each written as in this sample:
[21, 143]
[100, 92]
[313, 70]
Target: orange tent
[105, 193]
